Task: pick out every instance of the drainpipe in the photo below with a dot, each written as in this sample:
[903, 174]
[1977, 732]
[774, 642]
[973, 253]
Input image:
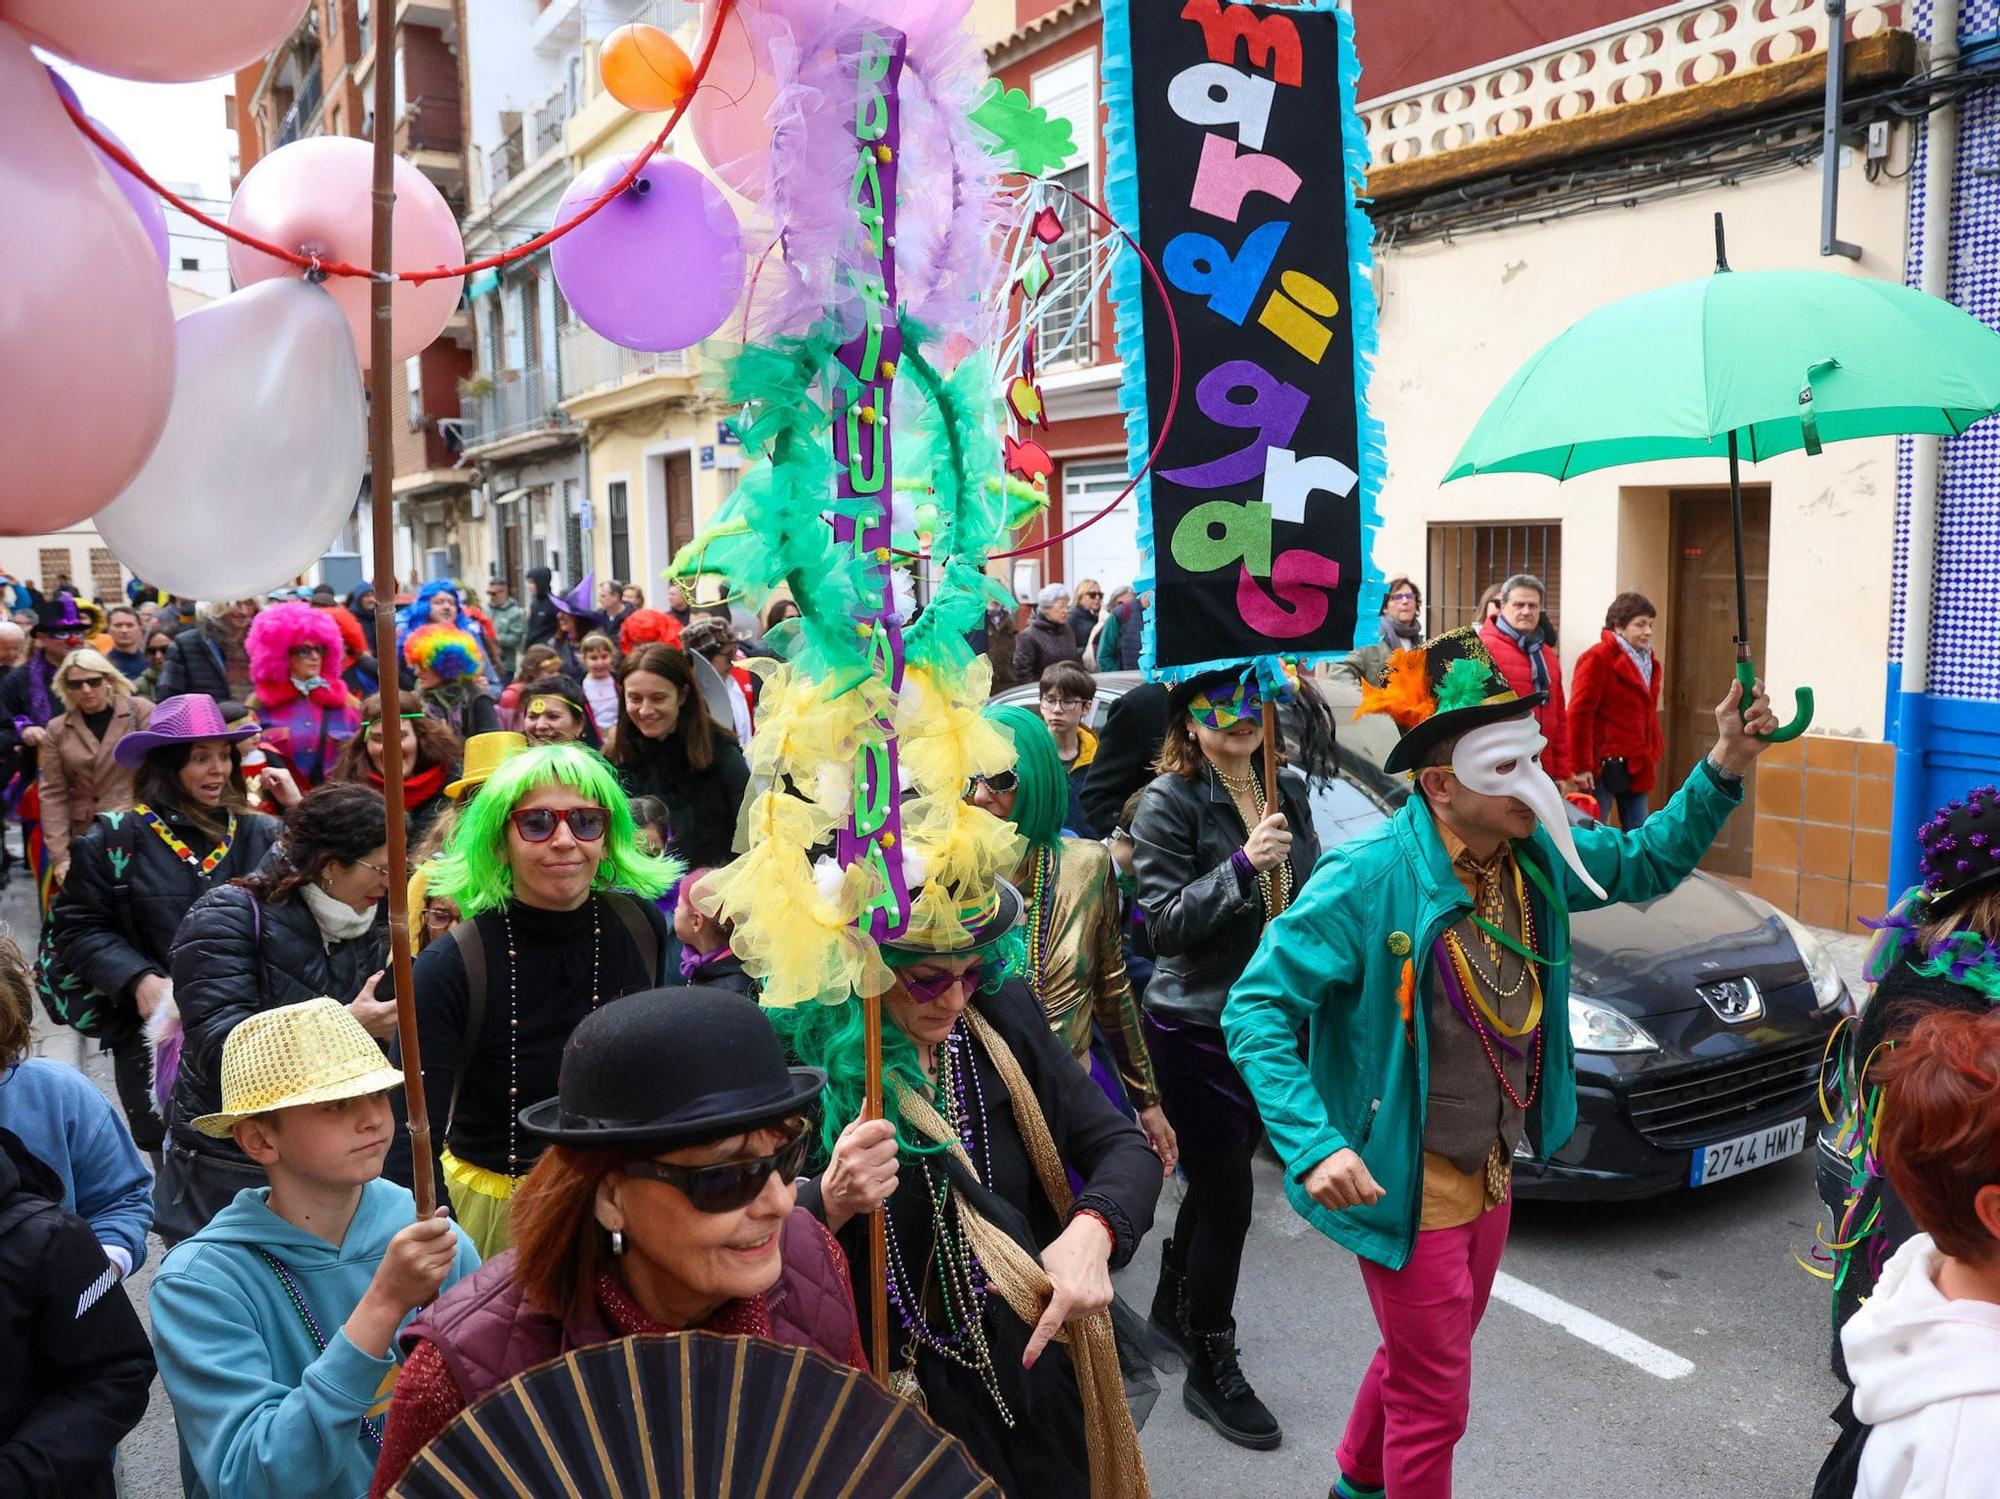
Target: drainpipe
[1912, 707]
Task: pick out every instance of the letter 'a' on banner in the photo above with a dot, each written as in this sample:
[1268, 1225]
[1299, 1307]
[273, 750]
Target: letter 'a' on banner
[1234, 154]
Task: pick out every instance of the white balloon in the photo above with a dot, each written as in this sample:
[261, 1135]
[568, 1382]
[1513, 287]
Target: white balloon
[263, 453]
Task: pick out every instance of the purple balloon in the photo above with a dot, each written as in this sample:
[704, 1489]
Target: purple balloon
[152, 217]
[659, 267]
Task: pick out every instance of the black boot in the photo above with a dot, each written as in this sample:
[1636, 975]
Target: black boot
[1169, 1316]
[1217, 1392]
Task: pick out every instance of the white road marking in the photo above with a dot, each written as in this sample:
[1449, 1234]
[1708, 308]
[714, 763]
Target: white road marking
[1591, 1328]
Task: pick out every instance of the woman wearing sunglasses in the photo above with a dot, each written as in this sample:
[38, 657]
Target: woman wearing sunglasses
[78, 773]
[1012, 1187]
[662, 1203]
[1214, 865]
[545, 867]
[1077, 965]
[308, 923]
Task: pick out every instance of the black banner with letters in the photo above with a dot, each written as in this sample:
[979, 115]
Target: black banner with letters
[1230, 157]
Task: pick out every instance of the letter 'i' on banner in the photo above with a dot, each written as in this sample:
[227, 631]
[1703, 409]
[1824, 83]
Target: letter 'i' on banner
[1234, 156]
[862, 393]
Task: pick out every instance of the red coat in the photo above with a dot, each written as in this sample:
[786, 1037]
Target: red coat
[1552, 715]
[1614, 715]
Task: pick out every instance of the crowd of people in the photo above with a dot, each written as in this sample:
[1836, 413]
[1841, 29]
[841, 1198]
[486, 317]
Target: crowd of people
[626, 1142]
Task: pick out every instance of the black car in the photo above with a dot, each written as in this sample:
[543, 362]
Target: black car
[1700, 1019]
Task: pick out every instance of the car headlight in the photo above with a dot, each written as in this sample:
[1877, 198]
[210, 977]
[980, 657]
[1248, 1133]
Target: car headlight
[1826, 981]
[1596, 1027]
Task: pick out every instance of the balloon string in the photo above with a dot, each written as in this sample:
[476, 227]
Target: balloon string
[1173, 391]
[320, 267]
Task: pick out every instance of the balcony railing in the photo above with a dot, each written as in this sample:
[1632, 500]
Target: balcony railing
[300, 117]
[520, 401]
[592, 363]
[1663, 52]
[430, 123]
[504, 163]
[548, 125]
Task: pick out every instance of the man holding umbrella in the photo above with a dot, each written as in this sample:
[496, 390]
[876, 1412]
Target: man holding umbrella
[1428, 963]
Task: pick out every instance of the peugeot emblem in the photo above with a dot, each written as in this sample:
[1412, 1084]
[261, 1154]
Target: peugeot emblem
[1733, 1000]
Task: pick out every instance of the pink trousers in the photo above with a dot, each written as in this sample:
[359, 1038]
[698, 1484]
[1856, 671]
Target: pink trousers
[1411, 1409]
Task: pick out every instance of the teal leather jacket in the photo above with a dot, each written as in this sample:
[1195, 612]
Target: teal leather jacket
[1334, 964]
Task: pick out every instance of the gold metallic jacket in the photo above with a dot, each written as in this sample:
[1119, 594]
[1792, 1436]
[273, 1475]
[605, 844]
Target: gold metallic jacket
[1084, 976]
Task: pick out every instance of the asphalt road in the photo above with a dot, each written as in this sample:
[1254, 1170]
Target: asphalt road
[1704, 1278]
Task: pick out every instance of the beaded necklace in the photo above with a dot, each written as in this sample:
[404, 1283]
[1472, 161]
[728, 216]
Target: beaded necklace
[514, 1023]
[962, 1280]
[1274, 885]
[372, 1429]
[1041, 905]
[203, 867]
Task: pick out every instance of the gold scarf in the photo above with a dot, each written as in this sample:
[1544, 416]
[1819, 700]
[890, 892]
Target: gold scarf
[1117, 1470]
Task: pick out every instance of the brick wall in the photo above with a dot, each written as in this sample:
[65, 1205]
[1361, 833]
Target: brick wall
[1822, 834]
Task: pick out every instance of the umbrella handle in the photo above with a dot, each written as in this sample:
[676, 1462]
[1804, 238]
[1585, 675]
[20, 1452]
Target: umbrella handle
[1746, 679]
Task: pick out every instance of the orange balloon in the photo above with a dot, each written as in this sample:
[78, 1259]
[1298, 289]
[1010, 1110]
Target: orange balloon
[643, 68]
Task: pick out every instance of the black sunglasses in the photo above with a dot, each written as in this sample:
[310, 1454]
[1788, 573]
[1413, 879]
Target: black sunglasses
[999, 784]
[731, 1185]
[538, 824]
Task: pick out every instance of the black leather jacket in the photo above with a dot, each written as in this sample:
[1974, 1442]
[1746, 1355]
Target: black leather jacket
[1201, 919]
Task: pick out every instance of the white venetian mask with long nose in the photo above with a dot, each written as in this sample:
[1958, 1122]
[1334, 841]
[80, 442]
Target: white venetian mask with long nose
[1505, 759]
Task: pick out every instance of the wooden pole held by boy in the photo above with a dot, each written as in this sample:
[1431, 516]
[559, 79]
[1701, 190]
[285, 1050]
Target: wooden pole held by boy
[381, 483]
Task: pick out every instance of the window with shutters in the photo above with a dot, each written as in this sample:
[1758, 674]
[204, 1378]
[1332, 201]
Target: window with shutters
[107, 581]
[618, 501]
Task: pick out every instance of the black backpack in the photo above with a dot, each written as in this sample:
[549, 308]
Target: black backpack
[67, 998]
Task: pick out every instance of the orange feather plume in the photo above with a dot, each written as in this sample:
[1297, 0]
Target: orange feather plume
[1405, 694]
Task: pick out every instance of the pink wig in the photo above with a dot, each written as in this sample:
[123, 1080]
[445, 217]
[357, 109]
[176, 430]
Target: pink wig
[275, 631]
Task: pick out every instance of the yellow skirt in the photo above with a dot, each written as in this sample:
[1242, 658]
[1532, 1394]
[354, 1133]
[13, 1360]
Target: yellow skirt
[480, 1200]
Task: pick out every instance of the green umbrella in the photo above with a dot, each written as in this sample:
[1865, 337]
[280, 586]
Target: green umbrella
[1751, 363]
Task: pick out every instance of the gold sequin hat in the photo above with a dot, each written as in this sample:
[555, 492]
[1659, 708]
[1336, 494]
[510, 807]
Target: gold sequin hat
[484, 754]
[297, 1054]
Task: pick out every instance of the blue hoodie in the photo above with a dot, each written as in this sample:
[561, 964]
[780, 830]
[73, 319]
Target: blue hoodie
[73, 1129]
[263, 1414]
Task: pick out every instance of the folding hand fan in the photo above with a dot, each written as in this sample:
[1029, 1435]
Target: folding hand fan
[693, 1416]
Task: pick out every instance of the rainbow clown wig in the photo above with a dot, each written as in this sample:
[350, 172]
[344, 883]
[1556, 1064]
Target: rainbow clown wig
[280, 629]
[444, 650]
[474, 872]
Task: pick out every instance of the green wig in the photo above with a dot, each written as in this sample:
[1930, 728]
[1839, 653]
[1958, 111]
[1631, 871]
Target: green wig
[473, 871]
[833, 1039]
[1042, 799]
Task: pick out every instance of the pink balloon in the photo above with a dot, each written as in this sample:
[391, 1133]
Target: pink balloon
[159, 41]
[727, 111]
[86, 331]
[312, 197]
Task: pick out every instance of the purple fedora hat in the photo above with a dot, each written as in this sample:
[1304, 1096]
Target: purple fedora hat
[178, 720]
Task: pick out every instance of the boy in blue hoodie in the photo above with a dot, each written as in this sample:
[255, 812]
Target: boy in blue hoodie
[275, 1325]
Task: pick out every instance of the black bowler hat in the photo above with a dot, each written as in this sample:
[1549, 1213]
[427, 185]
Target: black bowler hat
[1961, 850]
[669, 1068]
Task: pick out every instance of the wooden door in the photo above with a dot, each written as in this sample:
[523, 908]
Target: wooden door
[1699, 641]
[680, 503]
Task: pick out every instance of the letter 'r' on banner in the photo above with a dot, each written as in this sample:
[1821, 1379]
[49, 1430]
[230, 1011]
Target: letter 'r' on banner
[1226, 178]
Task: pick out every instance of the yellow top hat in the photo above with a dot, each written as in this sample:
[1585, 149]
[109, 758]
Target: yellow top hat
[297, 1054]
[484, 754]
